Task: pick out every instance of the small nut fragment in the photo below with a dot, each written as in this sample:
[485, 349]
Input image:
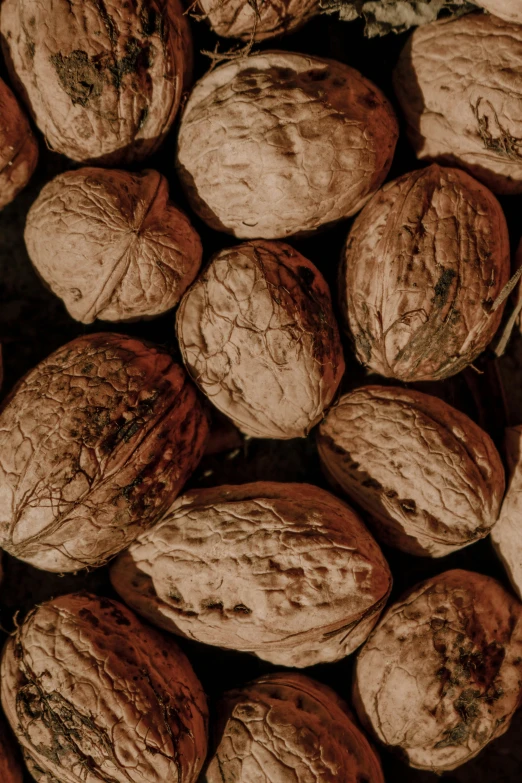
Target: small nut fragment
[510, 10]
[440, 676]
[93, 694]
[507, 533]
[18, 147]
[430, 478]
[257, 19]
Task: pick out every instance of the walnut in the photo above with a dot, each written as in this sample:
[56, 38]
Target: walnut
[423, 265]
[102, 80]
[510, 10]
[10, 768]
[460, 86]
[93, 694]
[111, 244]
[280, 143]
[429, 477]
[507, 533]
[440, 676]
[259, 337]
[257, 19]
[95, 444]
[18, 147]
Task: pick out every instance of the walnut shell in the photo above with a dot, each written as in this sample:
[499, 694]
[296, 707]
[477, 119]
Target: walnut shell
[93, 694]
[285, 571]
[111, 244]
[258, 336]
[102, 80]
[18, 147]
[459, 83]
[95, 444]
[507, 533]
[259, 19]
[510, 10]
[440, 676]
[422, 266]
[10, 768]
[280, 143]
[430, 478]
[287, 727]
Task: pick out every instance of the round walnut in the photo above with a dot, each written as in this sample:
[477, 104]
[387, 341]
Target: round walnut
[460, 86]
[258, 336]
[287, 727]
[510, 10]
[259, 19]
[10, 768]
[429, 477]
[93, 694]
[95, 444]
[18, 147]
[440, 676]
[102, 80]
[422, 267]
[507, 533]
[280, 143]
[111, 244]
[285, 571]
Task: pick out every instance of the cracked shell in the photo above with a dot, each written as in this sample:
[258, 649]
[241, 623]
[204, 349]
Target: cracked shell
[506, 536]
[431, 479]
[440, 676]
[510, 10]
[94, 695]
[259, 19]
[279, 143]
[95, 444]
[18, 147]
[111, 244]
[258, 336]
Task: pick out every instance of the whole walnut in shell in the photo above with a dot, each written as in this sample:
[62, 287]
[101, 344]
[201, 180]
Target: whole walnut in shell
[18, 147]
[93, 694]
[111, 245]
[459, 83]
[95, 444]
[422, 267]
[258, 336]
[510, 10]
[287, 727]
[102, 80]
[280, 143]
[259, 19]
[440, 676]
[431, 479]
[285, 571]
[507, 533]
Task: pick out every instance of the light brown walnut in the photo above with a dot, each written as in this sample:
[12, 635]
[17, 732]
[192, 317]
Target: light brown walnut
[507, 533]
[259, 19]
[510, 10]
[18, 147]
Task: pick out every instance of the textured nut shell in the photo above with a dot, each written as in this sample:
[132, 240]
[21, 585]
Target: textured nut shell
[423, 263]
[95, 444]
[430, 478]
[10, 769]
[285, 571]
[460, 86]
[103, 80]
[440, 676]
[18, 147]
[264, 19]
[111, 245]
[259, 337]
[286, 727]
[93, 695]
[281, 143]
[510, 10]
[507, 533]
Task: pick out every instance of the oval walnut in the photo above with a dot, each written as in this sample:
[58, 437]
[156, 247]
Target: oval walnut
[257, 20]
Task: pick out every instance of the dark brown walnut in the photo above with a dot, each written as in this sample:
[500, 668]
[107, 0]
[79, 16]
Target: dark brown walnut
[459, 83]
[259, 337]
[431, 480]
[280, 143]
[93, 694]
[287, 727]
[441, 675]
[95, 444]
[10, 768]
[507, 533]
[103, 80]
[258, 19]
[111, 244]
[18, 147]
[285, 571]
[422, 267]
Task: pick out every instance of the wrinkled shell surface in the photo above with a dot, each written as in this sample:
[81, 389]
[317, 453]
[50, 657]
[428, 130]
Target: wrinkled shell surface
[510, 10]
[440, 676]
[258, 336]
[280, 143]
[460, 87]
[422, 266]
[507, 533]
[286, 727]
[102, 80]
[10, 769]
[95, 444]
[285, 571]
[18, 147]
[111, 245]
[260, 19]
[430, 478]
[93, 695]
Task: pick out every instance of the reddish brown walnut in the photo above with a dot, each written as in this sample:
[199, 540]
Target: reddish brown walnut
[259, 19]
[510, 10]
[258, 336]
[430, 478]
[280, 143]
[18, 147]
[95, 444]
[93, 694]
[507, 533]
[111, 244]
[10, 768]
[440, 676]
[102, 80]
